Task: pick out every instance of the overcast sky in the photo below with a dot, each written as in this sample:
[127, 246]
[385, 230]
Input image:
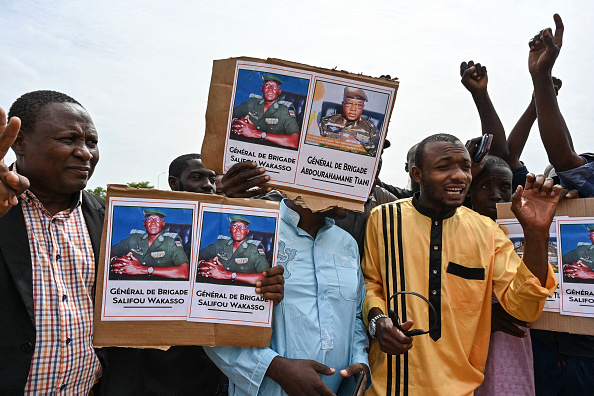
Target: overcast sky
[142, 67]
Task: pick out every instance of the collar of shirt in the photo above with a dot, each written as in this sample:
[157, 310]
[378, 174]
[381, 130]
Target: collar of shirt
[291, 217]
[430, 212]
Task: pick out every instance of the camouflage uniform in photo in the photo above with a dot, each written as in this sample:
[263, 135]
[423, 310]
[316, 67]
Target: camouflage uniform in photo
[249, 257]
[165, 251]
[585, 253]
[360, 131]
[279, 118]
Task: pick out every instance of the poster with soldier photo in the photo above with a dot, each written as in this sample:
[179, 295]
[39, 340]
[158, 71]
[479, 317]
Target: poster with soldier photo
[314, 130]
[514, 231]
[576, 249]
[149, 254]
[236, 245]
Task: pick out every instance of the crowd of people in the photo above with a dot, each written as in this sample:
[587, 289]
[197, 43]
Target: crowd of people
[337, 288]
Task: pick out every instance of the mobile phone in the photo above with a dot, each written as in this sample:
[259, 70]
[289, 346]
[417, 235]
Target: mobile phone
[482, 148]
[350, 385]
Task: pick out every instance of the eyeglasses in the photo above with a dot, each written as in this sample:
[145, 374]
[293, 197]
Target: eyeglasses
[239, 227]
[271, 86]
[153, 220]
[355, 105]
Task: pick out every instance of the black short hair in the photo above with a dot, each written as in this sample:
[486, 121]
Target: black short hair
[28, 106]
[179, 164]
[491, 162]
[438, 137]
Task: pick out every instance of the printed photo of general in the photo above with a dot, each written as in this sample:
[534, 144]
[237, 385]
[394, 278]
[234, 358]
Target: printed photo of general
[346, 118]
[268, 109]
[235, 249]
[577, 251]
[515, 233]
[150, 243]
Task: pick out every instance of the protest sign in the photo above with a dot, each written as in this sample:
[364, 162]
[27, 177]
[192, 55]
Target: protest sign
[149, 263]
[319, 133]
[223, 291]
[514, 231]
[555, 321]
[576, 249]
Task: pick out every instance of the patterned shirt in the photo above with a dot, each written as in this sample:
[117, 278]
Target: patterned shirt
[63, 288]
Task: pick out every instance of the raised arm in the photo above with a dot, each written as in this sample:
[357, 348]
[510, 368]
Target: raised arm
[519, 134]
[11, 184]
[544, 50]
[475, 79]
[534, 207]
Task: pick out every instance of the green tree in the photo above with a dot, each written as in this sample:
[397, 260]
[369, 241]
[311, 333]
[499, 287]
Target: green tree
[99, 191]
[142, 184]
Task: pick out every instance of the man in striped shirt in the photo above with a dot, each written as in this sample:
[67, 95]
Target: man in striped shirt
[49, 247]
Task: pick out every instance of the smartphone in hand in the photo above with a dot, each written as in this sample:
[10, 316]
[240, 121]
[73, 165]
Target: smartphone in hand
[350, 385]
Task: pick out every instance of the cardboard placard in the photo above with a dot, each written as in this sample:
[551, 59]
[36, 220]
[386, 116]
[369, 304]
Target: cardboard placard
[552, 320]
[319, 140]
[173, 330]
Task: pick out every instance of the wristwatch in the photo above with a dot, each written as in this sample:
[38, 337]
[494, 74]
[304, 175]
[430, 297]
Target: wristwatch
[372, 327]
[150, 270]
[233, 276]
[263, 135]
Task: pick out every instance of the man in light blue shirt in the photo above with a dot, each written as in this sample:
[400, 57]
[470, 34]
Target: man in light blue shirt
[318, 335]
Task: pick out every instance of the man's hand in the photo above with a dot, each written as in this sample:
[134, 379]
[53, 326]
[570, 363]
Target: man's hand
[300, 376]
[502, 321]
[578, 270]
[535, 204]
[391, 340]
[544, 48]
[272, 287]
[476, 167]
[352, 370]
[244, 180]
[245, 126]
[474, 77]
[11, 184]
[128, 264]
[214, 269]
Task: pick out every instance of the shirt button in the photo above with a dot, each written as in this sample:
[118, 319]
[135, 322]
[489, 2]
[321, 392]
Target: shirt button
[68, 340]
[437, 223]
[58, 257]
[27, 346]
[62, 387]
[434, 292]
[435, 247]
[64, 297]
[435, 271]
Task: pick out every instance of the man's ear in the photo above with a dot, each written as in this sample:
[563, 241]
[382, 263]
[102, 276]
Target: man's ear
[173, 183]
[19, 144]
[416, 174]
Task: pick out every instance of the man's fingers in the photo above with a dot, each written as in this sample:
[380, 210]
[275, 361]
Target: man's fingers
[407, 325]
[322, 368]
[277, 270]
[9, 133]
[351, 369]
[463, 68]
[559, 28]
[530, 179]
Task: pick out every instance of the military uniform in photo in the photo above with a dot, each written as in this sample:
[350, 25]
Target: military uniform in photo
[279, 118]
[249, 257]
[583, 253]
[360, 131]
[165, 251]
